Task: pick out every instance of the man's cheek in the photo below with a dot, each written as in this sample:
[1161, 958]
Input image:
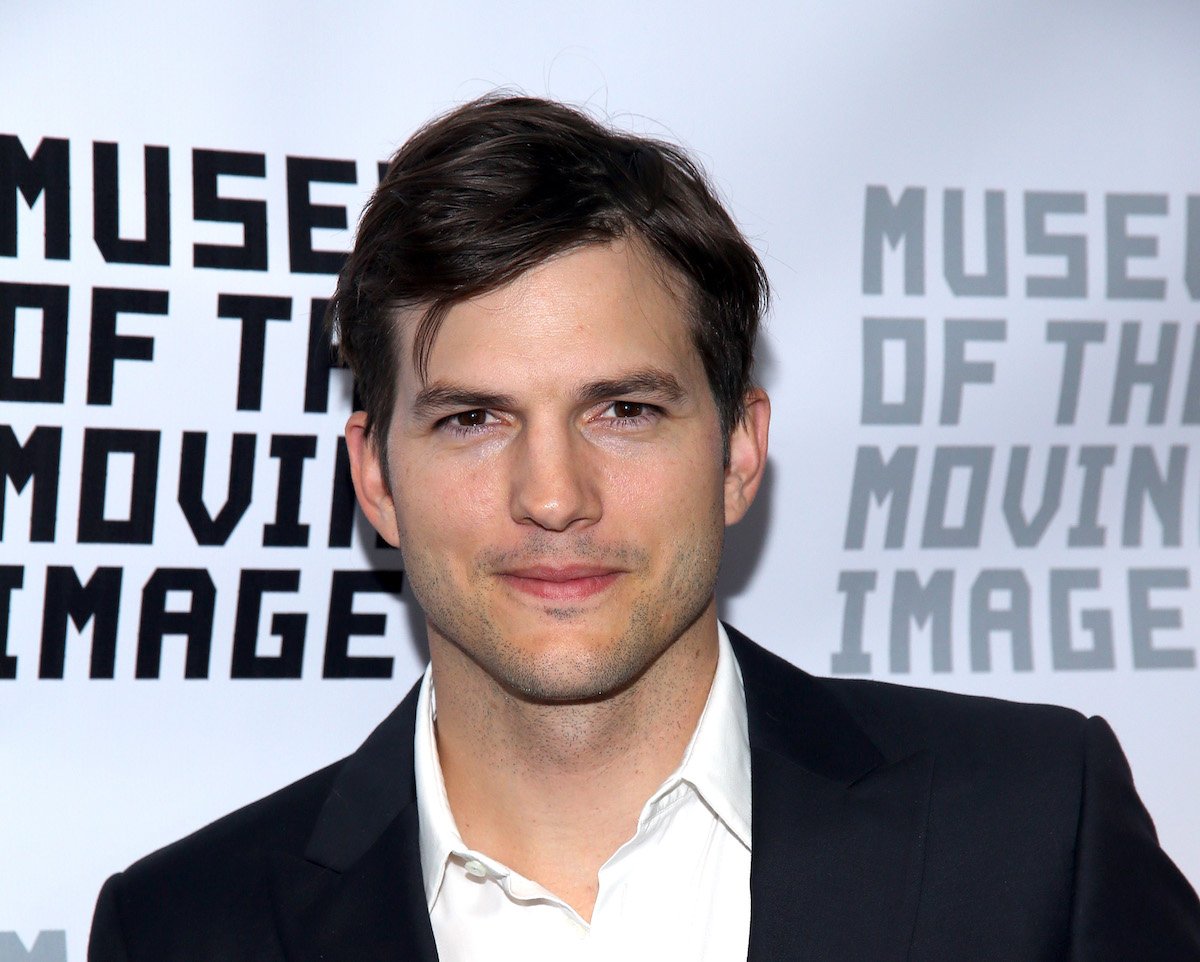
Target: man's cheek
[465, 496]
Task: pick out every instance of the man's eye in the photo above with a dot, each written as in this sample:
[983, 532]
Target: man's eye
[628, 409]
[470, 419]
[467, 422]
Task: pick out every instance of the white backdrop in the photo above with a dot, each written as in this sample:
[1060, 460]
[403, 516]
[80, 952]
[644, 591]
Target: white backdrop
[982, 223]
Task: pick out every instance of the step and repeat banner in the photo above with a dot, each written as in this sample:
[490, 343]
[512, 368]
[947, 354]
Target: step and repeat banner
[982, 226]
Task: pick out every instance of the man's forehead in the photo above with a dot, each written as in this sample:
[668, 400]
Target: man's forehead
[617, 296]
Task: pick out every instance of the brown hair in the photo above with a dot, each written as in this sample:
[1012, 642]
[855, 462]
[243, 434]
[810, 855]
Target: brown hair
[482, 194]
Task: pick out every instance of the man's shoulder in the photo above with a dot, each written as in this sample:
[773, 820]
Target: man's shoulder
[976, 730]
[230, 853]
[938, 716]
[210, 894]
[993, 775]
[996, 750]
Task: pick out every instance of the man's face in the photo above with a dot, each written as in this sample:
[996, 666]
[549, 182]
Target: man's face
[557, 481]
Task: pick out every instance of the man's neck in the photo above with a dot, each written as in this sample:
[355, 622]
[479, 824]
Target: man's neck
[552, 790]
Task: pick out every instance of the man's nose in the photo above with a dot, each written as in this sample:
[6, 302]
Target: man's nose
[554, 479]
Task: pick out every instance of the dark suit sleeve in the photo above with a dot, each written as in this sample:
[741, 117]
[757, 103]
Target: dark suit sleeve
[1130, 901]
[107, 942]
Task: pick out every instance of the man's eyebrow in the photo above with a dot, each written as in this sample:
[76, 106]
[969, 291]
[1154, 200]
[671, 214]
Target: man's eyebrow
[439, 397]
[649, 382]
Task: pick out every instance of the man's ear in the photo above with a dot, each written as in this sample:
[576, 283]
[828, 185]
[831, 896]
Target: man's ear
[747, 455]
[370, 479]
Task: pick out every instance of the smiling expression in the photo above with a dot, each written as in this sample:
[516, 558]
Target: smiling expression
[556, 482]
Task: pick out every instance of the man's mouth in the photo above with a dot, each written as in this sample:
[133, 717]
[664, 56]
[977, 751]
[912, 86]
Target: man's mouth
[560, 583]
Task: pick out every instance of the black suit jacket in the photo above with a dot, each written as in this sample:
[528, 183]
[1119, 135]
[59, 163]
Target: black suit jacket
[889, 823]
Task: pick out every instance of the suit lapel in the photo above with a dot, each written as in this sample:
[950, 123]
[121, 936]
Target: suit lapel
[357, 893]
[838, 828]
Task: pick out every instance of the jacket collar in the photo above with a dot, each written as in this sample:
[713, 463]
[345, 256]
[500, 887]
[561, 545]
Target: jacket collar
[838, 831]
[374, 786]
[357, 892]
[839, 828]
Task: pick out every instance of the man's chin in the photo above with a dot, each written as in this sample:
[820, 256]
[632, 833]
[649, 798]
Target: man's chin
[566, 666]
[541, 688]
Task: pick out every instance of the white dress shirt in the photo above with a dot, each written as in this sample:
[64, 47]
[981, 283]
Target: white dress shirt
[679, 889]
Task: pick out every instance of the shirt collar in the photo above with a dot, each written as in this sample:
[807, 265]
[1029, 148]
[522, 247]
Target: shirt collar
[716, 764]
[438, 833]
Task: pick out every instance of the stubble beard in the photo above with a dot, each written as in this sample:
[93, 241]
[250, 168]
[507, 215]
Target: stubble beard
[596, 669]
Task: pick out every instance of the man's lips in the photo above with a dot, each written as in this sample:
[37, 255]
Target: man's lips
[565, 583]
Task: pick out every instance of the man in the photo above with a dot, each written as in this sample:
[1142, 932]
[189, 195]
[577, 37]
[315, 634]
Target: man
[551, 327]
